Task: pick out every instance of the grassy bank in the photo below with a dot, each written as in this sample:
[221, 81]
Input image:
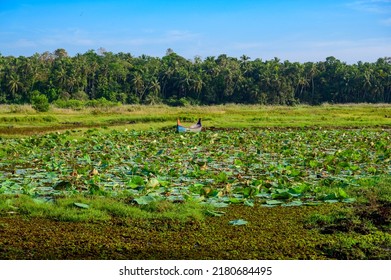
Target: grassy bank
[15, 119]
[330, 231]
[262, 238]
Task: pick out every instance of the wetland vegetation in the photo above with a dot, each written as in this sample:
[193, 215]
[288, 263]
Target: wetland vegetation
[260, 182]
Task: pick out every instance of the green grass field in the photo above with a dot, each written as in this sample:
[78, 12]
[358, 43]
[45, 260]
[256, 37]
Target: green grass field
[22, 120]
[258, 182]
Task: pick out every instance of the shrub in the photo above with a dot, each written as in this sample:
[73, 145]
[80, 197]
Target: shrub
[20, 109]
[80, 95]
[69, 104]
[39, 102]
[101, 103]
[184, 101]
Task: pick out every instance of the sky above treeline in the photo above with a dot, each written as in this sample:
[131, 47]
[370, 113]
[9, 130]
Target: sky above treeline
[294, 30]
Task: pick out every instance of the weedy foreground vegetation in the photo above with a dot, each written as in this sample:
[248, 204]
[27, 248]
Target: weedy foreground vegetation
[257, 183]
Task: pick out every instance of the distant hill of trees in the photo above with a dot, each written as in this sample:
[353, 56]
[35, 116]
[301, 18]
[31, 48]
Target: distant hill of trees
[175, 80]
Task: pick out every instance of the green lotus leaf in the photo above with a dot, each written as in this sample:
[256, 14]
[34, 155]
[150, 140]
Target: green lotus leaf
[215, 213]
[293, 203]
[238, 222]
[146, 199]
[81, 205]
[274, 202]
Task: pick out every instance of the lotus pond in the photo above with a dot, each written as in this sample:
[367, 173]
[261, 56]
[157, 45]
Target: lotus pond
[279, 167]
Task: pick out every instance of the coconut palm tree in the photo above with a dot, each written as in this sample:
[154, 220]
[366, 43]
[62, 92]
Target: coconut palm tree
[14, 85]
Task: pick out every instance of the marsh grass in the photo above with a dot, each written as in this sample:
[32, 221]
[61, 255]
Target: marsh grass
[362, 230]
[373, 206]
[374, 246]
[98, 209]
[372, 190]
[145, 117]
[359, 230]
[16, 109]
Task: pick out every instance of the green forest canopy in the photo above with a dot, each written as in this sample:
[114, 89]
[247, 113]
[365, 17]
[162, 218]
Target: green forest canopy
[175, 80]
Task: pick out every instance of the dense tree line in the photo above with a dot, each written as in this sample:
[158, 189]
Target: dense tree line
[175, 80]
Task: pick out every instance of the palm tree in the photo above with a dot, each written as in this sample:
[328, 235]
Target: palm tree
[154, 90]
[61, 77]
[185, 82]
[302, 83]
[14, 84]
[60, 53]
[197, 86]
[312, 71]
[138, 84]
[154, 86]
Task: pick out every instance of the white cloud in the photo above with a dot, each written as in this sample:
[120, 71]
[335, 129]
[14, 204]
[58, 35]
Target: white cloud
[372, 6]
[350, 51]
[151, 38]
[249, 46]
[25, 43]
[386, 22]
[50, 39]
[179, 35]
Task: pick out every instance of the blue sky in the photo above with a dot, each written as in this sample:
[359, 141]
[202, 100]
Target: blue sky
[296, 30]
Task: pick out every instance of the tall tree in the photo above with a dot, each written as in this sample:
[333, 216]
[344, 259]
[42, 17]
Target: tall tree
[146, 79]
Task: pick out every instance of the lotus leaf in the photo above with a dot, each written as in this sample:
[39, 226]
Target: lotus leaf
[238, 222]
[81, 205]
